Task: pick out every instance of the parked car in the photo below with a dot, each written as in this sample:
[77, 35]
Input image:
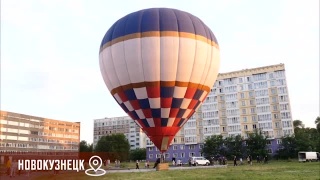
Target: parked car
[195, 161]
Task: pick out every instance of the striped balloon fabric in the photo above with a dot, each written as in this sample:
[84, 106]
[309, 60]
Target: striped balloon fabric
[159, 64]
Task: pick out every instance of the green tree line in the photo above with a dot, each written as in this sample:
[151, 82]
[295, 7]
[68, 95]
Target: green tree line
[303, 139]
[116, 146]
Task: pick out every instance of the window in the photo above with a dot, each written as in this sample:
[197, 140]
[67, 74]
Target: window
[240, 80]
[277, 124]
[243, 103]
[272, 83]
[268, 142]
[253, 110]
[175, 155]
[242, 95]
[192, 147]
[150, 156]
[254, 126]
[191, 154]
[175, 147]
[254, 118]
[158, 155]
[279, 141]
[275, 107]
[245, 127]
[244, 111]
[274, 99]
[181, 147]
[200, 146]
[270, 75]
[167, 155]
[244, 119]
[251, 102]
[182, 155]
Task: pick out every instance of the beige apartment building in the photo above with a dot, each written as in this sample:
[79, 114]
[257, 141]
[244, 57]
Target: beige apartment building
[119, 125]
[26, 134]
[240, 102]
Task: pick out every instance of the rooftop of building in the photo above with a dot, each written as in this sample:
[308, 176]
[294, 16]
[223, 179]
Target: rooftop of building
[251, 71]
[30, 117]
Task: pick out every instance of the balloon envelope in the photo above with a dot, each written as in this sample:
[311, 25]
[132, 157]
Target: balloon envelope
[159, 64]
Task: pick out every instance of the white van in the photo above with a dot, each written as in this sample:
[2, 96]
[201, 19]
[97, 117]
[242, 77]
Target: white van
[199, 161]
[307, 156]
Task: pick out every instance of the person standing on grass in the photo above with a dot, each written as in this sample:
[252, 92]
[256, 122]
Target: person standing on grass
[250, 159]
[156, 163]
[14, 167]
[235, 161]
[8, 166]
[240, 160]
[266, 159]
[137, 164]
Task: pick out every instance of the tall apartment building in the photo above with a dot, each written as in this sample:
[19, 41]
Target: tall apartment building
[124, 125]
[25, 134]
[239, 102]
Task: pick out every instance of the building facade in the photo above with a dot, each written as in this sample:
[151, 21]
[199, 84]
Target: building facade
[239, 102]
[25, 134]
[124, 125]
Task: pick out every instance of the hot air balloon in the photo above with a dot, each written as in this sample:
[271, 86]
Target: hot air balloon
[159, 64]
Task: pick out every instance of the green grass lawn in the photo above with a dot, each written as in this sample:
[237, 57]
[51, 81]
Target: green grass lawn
[274, 170]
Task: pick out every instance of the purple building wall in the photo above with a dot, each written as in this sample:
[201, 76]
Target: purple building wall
[273, 147]
[184, 151]
[181, 152]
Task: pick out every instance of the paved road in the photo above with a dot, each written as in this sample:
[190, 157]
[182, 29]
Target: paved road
[170, 168]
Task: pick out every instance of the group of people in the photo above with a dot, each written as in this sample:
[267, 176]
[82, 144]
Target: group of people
[146, 164]
[176, 162]
[249, 160]
[12, 168]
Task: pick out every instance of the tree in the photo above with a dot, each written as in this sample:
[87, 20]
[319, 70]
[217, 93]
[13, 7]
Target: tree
[288, 148]
[256, 143]
[304, 139]
[213, 146]
[116, 144]
[297, 124]
[138, 154]
[235, 147]
[85, 147]
[317, 122]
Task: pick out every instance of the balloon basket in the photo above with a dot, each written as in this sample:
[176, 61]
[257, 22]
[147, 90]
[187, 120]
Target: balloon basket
[162, 167]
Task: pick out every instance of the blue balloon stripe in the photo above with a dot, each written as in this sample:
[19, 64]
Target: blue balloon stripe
[157, 20]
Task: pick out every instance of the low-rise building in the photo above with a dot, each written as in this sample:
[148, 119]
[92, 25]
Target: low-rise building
[26, 134]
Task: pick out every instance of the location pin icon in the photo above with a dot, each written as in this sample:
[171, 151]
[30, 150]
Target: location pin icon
[95, 161]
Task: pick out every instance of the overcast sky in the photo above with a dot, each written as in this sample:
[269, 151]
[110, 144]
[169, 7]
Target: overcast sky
[50, 51]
